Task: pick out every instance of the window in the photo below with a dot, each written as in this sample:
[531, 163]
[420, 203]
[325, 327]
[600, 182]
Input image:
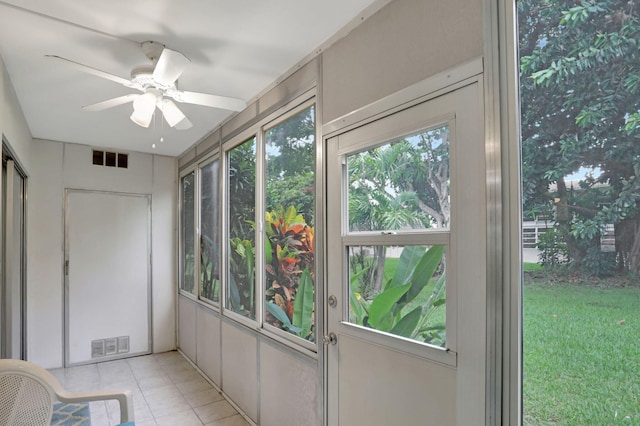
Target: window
[580, 128]
[289, 224]
[263, 276]
[395, 192]
[241, 190]
[209, 232]
[187, 232]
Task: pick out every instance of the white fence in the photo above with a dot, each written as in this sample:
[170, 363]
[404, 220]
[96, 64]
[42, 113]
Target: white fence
[532, 229]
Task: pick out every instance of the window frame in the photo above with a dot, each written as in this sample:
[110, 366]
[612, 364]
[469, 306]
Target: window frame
[181, 242]
[209, 159]
[227, 147]
[448, 237]
[280, 334]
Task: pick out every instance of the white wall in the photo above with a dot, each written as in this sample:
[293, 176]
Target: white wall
[13, 126]
[57, 166]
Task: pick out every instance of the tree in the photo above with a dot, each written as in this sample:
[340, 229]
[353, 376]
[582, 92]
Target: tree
[291, 164]
[580, 78]
[400, 185]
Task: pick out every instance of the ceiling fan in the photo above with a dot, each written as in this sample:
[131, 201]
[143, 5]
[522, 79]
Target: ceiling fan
[158, 84]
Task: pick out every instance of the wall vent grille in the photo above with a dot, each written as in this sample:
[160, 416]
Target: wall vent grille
[110, 159]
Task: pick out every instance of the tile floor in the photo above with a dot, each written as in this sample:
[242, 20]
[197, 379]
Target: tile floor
[166, 389]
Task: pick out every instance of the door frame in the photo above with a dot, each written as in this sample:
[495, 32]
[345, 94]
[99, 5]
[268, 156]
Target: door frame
[65, 275]
[418, 93]
[13, 167]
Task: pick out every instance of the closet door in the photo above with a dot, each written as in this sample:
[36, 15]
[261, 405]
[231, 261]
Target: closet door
[108, 281]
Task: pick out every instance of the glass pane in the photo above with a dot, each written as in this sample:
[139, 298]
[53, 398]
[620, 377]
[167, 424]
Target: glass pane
[399, 290]
[242, 241]
[209, 233]
[403, 184]
[580, 127]
[290, 217]
[187, 232]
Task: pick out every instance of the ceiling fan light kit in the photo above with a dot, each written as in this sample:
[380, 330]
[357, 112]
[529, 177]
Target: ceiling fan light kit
[158, 84]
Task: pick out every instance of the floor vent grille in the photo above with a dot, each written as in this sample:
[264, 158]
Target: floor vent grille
[97, 348]
[123, 344]
[109, 346]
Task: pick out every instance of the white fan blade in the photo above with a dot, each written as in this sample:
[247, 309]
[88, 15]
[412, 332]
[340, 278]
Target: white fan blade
[110, 103]
[172, 113]
[205, 99]
[184, 124]
[92, 71]
[169, 67]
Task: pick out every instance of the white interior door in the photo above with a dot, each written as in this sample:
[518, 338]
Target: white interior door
[107, 276]
[406, 342]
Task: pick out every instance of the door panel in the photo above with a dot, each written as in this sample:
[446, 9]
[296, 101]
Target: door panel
[108, 279]
[407, 266]
[13, 262]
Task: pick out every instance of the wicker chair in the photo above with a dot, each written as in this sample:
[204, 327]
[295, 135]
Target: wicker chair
[28, 392]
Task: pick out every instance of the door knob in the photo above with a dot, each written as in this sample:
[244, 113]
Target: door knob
[333, 301]
[331, 338]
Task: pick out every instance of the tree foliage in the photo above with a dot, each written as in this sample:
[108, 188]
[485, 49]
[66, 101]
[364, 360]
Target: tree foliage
[580, 97]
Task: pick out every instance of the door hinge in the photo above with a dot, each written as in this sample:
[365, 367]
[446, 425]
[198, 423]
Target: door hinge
[66, 268]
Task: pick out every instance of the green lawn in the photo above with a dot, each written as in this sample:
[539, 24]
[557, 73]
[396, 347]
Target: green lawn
[581, 354]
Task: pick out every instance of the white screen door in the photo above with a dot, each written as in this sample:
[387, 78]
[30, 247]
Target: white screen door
[406, 337]
[107, 276]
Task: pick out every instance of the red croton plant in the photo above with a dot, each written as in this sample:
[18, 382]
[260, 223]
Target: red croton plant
[290, 271]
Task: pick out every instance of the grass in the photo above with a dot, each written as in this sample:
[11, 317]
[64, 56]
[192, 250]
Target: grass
[581, 362]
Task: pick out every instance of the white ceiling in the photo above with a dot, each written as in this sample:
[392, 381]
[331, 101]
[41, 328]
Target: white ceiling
[237, 48]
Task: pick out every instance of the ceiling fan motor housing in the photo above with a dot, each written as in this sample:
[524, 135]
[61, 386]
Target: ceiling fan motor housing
[152, 50]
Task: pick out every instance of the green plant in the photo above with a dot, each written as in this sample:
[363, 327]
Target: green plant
[553, 248]
[396, 309]
[290, 258]
[242, 277]
[209, 270]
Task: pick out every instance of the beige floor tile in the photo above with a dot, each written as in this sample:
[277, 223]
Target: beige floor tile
[184, 375]
[166, 390]
[160, 408]
[149, 383]
[146, 422]
[215, 411]
[162, 393]
[199, 398]
[199, 384]
[236, 420]
[148, 372]
[184, 418]
[99, 414]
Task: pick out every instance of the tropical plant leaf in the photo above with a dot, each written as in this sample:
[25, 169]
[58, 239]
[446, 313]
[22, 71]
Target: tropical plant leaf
[409, 258]
[234, 294]
[436, 295]
[303, 303]
[424, 270]
[385, 323]
[382, 305]
[408, 323]
[268, 251]
[281, 316]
